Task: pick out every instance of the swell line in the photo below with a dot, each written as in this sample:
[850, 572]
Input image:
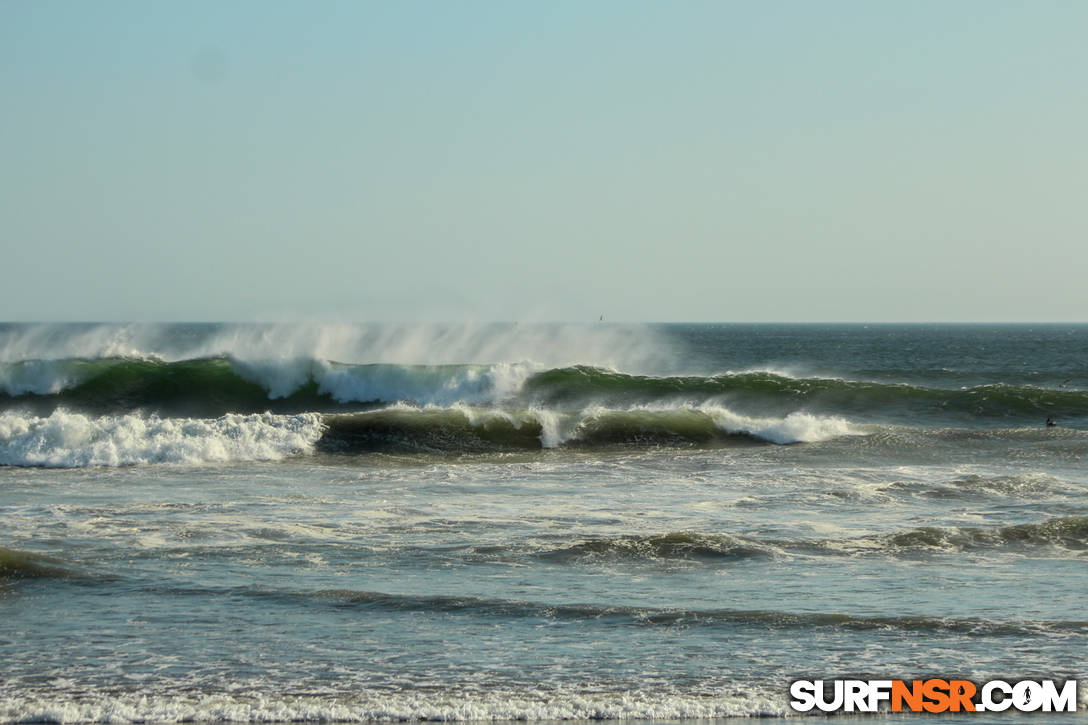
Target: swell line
[630, 616]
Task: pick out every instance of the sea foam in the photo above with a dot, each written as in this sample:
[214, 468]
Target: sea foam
[410, 706]
[66, 440]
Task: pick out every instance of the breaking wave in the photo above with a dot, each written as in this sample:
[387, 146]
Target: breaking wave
[214, 386]
[467, 429]
[68, 440]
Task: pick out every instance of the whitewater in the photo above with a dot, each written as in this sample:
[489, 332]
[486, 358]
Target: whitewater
[374, 522]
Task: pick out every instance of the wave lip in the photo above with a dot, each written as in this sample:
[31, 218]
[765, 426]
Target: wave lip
[426, 385]
[371, 383]
[41, 377]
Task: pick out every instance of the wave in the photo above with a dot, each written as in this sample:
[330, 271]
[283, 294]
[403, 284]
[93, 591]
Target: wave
[67, 438]
[216, 386]
[70, 439]
[467, 429]
[1000, 400]
[1065, 535]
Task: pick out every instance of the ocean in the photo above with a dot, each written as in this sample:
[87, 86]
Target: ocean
[336, 522]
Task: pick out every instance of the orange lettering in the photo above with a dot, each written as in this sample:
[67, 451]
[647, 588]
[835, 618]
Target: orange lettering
[912, 695]
[960, 694]
[937, 692]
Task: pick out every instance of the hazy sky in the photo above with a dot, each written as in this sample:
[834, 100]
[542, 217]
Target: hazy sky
[680, 160]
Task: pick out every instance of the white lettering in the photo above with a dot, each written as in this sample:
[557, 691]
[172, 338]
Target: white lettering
[988, 703]
[1064, 701]
[804, 695]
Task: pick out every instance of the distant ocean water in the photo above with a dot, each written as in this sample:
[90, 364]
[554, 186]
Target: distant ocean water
[533, 522]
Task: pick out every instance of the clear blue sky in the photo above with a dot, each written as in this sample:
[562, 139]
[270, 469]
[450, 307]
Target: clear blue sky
[756, 161]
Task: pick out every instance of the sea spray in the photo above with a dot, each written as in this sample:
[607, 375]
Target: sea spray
[633, 347]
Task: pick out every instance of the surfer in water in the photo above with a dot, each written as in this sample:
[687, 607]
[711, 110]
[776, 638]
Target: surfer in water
[1050, 423]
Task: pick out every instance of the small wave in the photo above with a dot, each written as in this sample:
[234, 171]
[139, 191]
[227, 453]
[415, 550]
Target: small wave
[1052, 536]
[670, 617]
[16, 564]
[1024, 484]
[1021, 485]
[1069, 532]
[678, 545]
[67, 440]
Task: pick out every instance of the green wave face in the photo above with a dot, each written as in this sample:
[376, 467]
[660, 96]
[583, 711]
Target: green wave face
[208, 387]
[778, 394]
[428, 431]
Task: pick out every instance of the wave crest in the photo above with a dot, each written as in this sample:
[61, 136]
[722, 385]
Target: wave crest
[677, 545]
